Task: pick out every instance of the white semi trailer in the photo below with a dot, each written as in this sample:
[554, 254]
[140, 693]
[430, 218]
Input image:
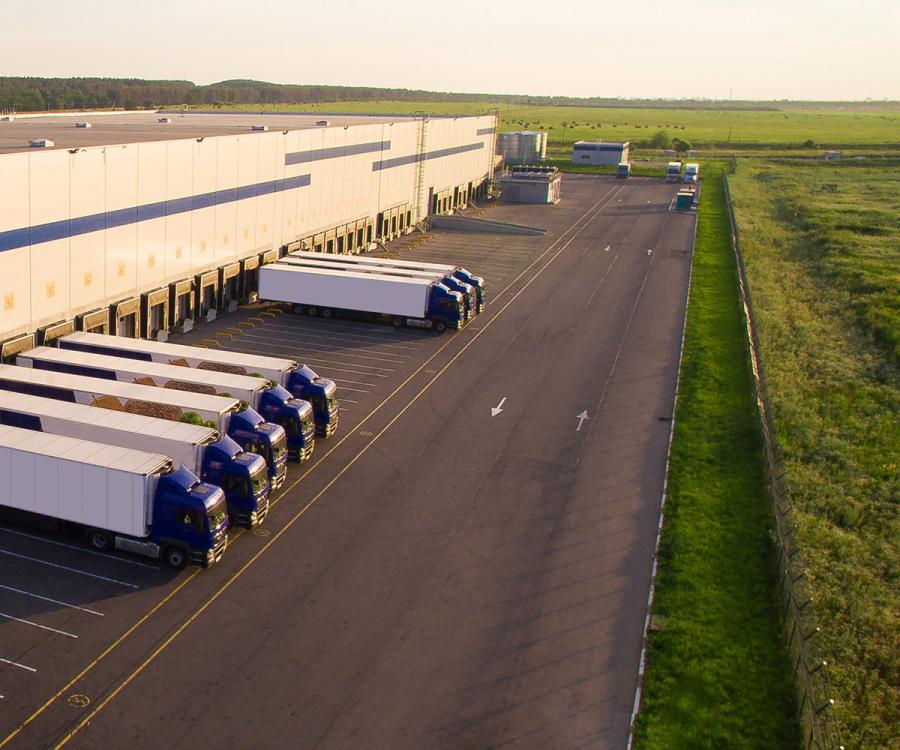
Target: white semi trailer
[400, 301]
[119, 498]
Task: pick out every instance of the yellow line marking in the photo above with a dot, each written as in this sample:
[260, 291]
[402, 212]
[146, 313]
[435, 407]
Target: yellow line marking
[238, 573]
[291, 486]
[209, 342]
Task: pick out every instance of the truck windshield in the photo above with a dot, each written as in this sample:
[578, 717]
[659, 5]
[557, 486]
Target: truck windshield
[216, 515]
[258, 481]
[278, 450]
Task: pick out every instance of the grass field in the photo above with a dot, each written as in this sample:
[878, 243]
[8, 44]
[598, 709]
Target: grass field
[790, 128]
[822, 246]
[717, 672]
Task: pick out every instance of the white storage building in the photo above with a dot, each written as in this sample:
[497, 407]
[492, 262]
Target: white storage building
[138, 227]
[600, 152]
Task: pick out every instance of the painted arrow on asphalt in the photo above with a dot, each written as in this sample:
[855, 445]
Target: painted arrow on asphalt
[606, 249]
[495, 410]
[581, 417]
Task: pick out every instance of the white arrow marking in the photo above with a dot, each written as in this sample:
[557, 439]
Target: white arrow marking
[581, 417]
[649, 252]
[495, 410]
[606, 249]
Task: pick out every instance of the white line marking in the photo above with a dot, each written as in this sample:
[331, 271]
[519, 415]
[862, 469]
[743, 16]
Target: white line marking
[354, 390]
[54, 601]
[16, 664]
[79, 549]
[36, 625]
[581, 417]
[71, 570]
[495, 410]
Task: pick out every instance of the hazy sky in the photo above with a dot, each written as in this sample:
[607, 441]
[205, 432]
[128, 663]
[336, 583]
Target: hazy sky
[760, 49]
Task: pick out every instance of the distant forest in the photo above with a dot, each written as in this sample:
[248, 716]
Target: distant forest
[38, 94]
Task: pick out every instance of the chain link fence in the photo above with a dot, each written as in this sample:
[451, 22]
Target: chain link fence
[813, 687]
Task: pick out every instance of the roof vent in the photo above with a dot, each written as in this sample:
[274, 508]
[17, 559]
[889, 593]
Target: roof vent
[165, 120]
[82, 125]
[41, 143]
[259, 127]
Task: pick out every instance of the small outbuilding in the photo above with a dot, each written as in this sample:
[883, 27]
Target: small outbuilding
[600, 152]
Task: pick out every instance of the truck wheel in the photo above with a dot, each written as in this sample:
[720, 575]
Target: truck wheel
[326, 313]
[175, 558]
[312, 312]
[440, 326]
[298, 309]
[397, 322]
[99, 541]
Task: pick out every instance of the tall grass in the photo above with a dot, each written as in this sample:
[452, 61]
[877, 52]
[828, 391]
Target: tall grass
[717, 674]
[823, 266]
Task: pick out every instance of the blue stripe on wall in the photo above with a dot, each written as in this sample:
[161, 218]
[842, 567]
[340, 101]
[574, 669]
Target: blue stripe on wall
[400, 161]
[484, 131]
[320, 154]
[58, 230]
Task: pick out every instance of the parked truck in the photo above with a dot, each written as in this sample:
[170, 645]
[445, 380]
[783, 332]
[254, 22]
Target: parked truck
[216, 460]
[673, 171]
[457, 272]
[117, 497]
[400, 301]
[260, 394]
[319, 415]
[470, 297]
[623, 169]
[691, 173]
[245, 426]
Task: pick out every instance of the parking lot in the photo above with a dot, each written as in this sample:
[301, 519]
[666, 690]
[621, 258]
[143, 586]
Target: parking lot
[341, 579]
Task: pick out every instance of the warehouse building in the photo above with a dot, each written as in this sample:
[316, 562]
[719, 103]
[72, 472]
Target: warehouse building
[144, 223]
[600, 152]
[522, 147]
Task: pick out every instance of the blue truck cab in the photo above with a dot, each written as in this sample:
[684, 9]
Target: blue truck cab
[446, 308]
[470, 296]
[321, 393]
[278, 405]
[254, 434]
[243, 478]
[190, 520]
[476, 281]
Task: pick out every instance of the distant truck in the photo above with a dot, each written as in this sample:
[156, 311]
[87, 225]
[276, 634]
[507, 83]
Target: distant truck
[275, 402]
[457, 272]
[217, 461]
[400, 301]
[245, 427]
[623, 169]
[691, 173]
[673, 171]
[119, 498]
[300, 381]
[470, 296]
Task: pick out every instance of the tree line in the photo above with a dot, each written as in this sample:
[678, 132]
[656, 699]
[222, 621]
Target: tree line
[38, 94]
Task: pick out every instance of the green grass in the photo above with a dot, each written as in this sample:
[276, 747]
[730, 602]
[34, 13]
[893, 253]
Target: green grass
[823, 269]
[717, 672]
[790, 127]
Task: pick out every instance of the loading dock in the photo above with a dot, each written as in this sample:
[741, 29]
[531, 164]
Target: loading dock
[125, 317]
[9, 349]
[181, 299]
[96, 321]
[48, 334]
[249, 279]
[207, 291]
[230, 284]
[155, 314]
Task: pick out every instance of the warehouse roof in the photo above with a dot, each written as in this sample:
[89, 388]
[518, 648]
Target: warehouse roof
[113, 128]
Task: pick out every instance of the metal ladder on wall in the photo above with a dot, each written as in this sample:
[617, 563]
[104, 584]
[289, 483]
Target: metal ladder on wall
[420, 173]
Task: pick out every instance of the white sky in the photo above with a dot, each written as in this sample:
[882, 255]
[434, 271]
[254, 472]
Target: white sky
[762, 49]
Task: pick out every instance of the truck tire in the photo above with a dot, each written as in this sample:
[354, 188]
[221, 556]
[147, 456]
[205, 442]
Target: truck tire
[440, 326]
[312, 311]
[298, 309]
[98, 540]
[326, 312]
[175, 558]
[398, 322]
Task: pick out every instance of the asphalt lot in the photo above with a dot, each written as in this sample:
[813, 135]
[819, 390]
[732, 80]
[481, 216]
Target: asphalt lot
[435, 576]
